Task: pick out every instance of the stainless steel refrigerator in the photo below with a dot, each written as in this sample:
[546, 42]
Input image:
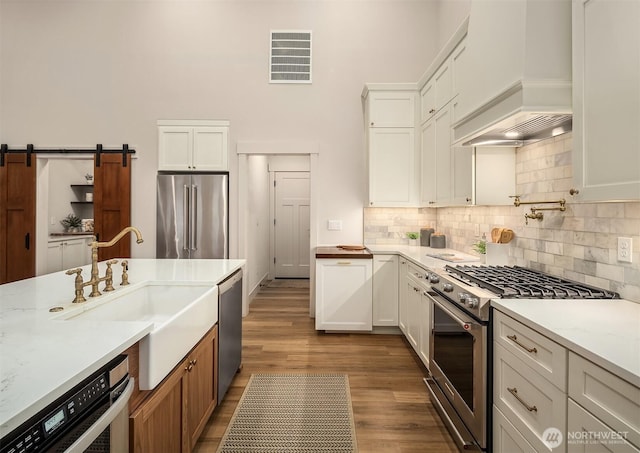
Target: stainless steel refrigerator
[192, 215]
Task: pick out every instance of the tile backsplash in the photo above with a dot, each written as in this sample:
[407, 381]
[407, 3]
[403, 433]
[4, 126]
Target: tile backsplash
[579, 243]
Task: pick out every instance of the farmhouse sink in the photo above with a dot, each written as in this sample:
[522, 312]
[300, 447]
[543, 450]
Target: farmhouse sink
[181, 313]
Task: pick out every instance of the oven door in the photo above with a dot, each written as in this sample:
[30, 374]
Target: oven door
[458, 366]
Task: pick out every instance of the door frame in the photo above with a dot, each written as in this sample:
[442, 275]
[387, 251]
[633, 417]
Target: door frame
[307, 148]
[272, 216]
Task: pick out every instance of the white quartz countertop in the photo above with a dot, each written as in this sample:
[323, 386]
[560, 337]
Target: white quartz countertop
[41, 358]
[425, 256]
[606, 332]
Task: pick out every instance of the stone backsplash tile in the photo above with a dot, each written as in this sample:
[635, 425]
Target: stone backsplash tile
[579, 243]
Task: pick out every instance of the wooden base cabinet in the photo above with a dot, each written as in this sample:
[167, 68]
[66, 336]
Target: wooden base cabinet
[172, 418]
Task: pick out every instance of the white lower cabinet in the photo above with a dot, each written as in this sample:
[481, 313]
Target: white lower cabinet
[506, 437]
[610, 401]
[68, 253]
[418, 312]
[548, 398]
[529, 389]
[413, 312]
[385, 290]
[425, 328]
[344, 294]
[402, 294]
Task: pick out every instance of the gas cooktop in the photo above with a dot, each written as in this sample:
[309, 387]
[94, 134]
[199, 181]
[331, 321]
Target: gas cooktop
[515, 282]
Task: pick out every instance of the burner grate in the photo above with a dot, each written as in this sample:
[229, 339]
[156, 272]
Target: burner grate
[516, 282]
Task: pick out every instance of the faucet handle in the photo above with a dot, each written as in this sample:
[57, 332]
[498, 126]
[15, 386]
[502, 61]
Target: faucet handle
[79, 285]
[125, 276]
[109, 276]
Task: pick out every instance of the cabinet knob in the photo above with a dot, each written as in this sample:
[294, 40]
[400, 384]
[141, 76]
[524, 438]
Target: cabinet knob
[372, 123]
[432, 111]
[574, 192]
[468, 200]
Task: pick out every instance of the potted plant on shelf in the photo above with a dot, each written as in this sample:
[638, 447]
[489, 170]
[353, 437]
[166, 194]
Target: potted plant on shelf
[413, 237]
[72, 223]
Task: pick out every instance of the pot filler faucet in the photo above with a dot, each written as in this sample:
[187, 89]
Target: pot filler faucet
[95, 275]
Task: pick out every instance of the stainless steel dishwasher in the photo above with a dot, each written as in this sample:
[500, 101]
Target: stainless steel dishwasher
[229, 331]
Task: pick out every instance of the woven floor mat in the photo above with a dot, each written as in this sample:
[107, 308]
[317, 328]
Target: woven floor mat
[292, 413]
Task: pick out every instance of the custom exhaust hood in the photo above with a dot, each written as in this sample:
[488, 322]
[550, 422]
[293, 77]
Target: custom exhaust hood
[516, 86]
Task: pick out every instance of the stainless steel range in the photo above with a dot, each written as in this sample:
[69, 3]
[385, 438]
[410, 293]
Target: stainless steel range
[460, 354]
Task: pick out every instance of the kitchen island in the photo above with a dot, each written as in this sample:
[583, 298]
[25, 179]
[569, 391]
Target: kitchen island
[42, 356]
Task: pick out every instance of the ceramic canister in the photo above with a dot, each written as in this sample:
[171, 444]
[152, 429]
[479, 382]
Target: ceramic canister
[425, 236]
[438, 241]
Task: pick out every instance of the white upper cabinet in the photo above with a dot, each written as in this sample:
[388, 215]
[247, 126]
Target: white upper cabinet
[441, 86]
[392, 151]
[193, 145]
[391, 108]
[606, 82]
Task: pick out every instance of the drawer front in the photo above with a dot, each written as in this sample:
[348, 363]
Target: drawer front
[613, 400]
[417, 272]
[506, 438]
[542, 354]
[587, 434]
[527, 399]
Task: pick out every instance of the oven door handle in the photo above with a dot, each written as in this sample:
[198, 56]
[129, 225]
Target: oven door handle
[466, 325]
[91, 434]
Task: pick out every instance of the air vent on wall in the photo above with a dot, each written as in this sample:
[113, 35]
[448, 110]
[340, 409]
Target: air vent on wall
[290, 59]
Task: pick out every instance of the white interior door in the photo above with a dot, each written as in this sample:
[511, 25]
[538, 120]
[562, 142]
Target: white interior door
[291, 224]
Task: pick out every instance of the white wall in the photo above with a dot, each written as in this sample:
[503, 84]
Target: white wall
[258, 221]
[77, 73]
[451, 13]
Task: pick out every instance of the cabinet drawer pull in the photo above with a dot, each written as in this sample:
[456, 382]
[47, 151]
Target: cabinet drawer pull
[344, 262]
[515, 340]
[514, 392]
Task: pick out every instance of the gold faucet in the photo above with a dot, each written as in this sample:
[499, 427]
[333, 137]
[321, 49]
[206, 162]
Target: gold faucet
[95, 274]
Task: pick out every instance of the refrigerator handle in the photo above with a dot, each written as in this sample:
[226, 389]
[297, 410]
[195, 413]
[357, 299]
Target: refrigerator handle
[194, 217]
[185, 217]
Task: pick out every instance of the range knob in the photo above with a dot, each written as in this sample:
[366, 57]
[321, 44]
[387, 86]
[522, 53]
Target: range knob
[462, 297]
[433, 278]
[472, 302]
[447, 287]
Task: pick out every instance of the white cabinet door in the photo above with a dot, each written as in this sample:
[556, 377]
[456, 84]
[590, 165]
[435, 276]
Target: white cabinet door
[193, 147]
[391, 109]
[443, 155]
[402, 295]
[75, 253]
[590, 435]
[424, 320]
[385, 290]
[428, 100]
[175, 148]
[462, 179]
[392, 166]
[506, 438]
[428, 173]
[210, 149]
[443, 85]
[458, 62]
[413, 313]
[606, 99]
[54, 256]
[344, 294]
[495, 175]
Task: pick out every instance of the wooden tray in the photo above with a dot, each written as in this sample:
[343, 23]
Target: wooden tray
[352, 247]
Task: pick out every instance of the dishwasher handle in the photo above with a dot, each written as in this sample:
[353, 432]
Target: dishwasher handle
[229, 283]
[91, 434]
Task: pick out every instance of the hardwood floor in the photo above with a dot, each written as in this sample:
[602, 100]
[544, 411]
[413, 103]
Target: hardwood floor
[391, 406]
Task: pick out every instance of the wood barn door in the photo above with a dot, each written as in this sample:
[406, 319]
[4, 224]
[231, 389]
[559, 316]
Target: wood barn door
[112, 204]
[17, 219]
